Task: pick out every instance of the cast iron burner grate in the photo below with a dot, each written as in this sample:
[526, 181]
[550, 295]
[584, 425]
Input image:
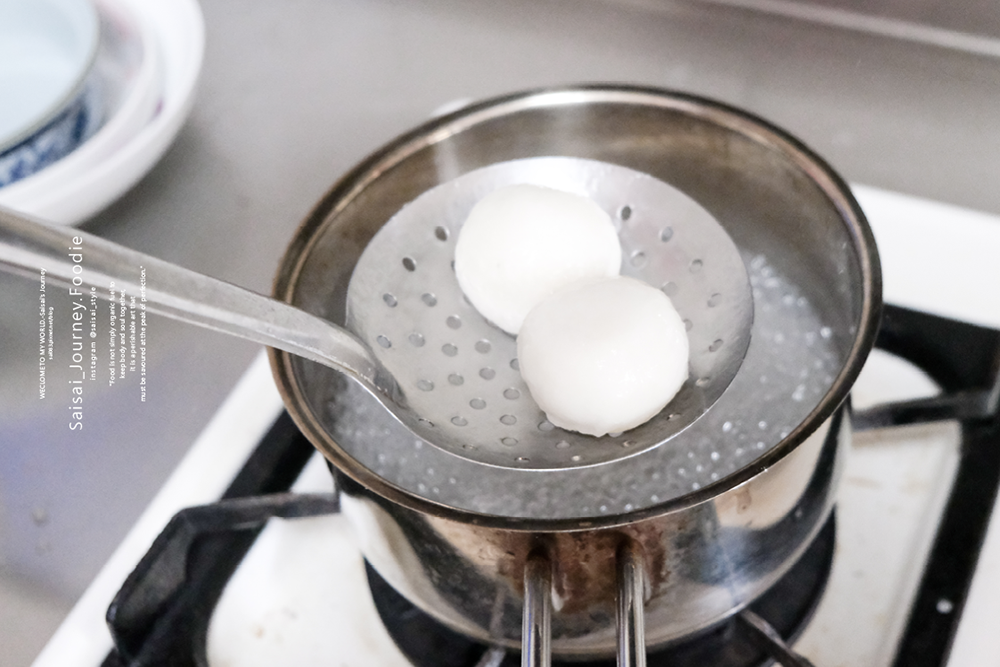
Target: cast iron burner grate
[160, 616]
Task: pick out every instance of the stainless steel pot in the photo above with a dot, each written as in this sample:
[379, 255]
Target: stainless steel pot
[456, 536]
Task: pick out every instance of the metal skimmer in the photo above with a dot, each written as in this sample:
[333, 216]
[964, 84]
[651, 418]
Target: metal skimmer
[424, 352]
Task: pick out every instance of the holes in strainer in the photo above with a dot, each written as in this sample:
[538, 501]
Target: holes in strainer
[714, 300]
[511, 394]
[523, 459]
[508, 420]
[441, 233]
[562, 444]
[416, 339]
[459, 421]
[666, 234]
[487, 373]
[702, 381]
[638, 259]
[383, 341]
[515, 364]
[688, 324]
[449, 350]
[425, 385]
[625, 212]
[483, 346]
[477, 404]
[546, 426]
[429, 299]
[409, 264]
[390, 300]
[510, 442]
[453, 322]
[696, 266]
[575, 457]
[716, 344]
[670, 288]
[456, 379]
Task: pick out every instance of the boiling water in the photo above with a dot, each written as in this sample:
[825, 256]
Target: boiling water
[790, 364]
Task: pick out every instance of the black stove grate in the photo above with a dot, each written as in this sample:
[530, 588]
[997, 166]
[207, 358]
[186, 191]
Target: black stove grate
[161, 614]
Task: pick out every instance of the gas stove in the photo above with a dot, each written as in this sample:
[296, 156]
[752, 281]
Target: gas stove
[904, 574]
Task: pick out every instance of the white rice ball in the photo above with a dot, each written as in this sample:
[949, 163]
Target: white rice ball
[523, 242]
[603, 356]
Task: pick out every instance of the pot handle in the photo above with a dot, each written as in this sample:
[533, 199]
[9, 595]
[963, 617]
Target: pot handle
[536, 622]
[630, 619]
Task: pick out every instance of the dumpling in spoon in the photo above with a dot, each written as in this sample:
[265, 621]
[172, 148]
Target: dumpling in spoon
[603, 356]
[523, 242]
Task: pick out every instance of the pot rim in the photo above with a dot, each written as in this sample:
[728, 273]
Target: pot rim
[436, 129]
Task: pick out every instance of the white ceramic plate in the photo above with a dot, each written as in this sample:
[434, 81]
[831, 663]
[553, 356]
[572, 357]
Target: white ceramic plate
[154, 102]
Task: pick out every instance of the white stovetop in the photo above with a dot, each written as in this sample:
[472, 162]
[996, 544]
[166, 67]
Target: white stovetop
[935, 257]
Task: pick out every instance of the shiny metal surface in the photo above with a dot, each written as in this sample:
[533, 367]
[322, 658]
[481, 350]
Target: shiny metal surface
[178, 293]
[536, 623]
[631, 599]
[770, 194]
[700, 564]
[707, 553]
[458, 372]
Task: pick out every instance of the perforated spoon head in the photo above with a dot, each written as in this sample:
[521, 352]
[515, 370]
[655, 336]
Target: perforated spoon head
[457, 375]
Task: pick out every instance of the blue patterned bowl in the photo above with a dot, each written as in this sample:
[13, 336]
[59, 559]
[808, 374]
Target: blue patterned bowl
[50, 105]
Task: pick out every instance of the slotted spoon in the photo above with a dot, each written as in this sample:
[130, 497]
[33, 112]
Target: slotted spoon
[417, 345]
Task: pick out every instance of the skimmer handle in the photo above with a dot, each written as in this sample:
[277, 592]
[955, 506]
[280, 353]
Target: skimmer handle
[80, 261]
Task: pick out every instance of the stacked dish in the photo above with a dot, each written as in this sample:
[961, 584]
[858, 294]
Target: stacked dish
[136, 87]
